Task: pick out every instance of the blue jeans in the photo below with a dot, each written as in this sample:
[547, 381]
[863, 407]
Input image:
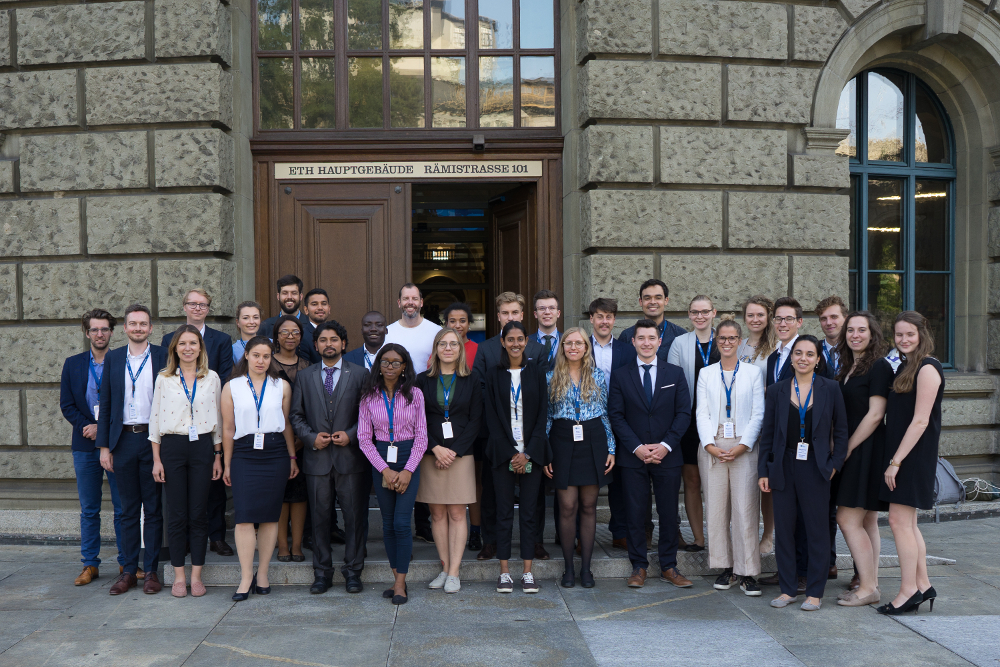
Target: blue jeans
[396, 509]
[89, 484]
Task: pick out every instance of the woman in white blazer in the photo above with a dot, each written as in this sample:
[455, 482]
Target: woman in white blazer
[692, 352]
[729, 418]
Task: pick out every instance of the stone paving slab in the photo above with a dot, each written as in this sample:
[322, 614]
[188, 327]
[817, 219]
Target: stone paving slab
[312, 645]
[974, 638]
[153, 647]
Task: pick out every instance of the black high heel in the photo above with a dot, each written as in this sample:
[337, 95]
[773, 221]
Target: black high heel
[929, 594]
[259, 590]
[913, 604]
[240, 597]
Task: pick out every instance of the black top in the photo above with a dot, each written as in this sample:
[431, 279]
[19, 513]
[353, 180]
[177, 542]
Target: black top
[862, 474]
[792, 436]
[465, 411]
[501, 447]
[691, 435]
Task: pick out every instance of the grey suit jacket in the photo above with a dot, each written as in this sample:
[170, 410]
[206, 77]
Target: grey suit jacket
[314, 412]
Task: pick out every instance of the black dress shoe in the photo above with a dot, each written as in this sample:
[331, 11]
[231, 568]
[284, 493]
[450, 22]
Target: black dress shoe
[338, 536]
[475, 541]
[587, 579]
[568, 579]
[220, 547]
[769, 581]
[353, 584]
[321, 585]
[307, 542]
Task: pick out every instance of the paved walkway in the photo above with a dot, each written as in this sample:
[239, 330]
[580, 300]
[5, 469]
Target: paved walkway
[45, 620]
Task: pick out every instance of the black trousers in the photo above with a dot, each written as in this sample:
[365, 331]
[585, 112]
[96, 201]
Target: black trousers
[807, 492]
[422, 517]
[666, 485]
[216, 510]
[802, 549]
[133, 464]
[353, 490]
[488, 505]
[187, 474]
[530, 486]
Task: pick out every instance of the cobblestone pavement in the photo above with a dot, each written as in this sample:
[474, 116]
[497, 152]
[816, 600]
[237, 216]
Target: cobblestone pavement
[45, 620]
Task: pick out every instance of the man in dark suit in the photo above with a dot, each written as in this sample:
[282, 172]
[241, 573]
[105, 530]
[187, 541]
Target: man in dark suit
[787, 322]
[373, 329]
[317, 309]
[79, 399]
[324, 415]
[510, 307]
[653, 299]
[123, 438]
[219, 347]
[289, 301]
[650, 409]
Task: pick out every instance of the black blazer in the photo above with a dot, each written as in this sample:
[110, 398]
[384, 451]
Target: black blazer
[267, 326]
[786, 370]
[829, 430]
[357, 357]
[669, 331]
[110, 420]
[465, 411]
[500, 448]
[621, 353]
[634, 423]
[219, 347]
[307, 348]
[487, 358]
[73, 399]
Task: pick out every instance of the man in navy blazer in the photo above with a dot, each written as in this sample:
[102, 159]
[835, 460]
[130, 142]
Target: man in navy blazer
[219, 347]
[649, 408]
[787, 322]
[123, 438]
[79, 399]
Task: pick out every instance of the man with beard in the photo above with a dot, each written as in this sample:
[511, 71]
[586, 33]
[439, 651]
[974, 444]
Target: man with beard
[289, 301]
[324, 414]
[79, 399]
[373, 332]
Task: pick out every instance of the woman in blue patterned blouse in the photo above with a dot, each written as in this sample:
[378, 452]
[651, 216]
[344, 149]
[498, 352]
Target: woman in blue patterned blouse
[583, 447]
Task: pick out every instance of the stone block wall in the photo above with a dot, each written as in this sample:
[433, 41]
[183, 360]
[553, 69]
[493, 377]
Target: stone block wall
[122, 125]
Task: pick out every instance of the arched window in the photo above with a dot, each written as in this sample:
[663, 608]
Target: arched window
[902, 200]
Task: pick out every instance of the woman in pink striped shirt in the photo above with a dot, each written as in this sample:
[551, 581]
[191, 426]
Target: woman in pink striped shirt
[392, 433]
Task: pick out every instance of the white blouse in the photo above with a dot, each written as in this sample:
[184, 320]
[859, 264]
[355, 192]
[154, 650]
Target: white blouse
[516, 407]
[272, 416]
[170, 413]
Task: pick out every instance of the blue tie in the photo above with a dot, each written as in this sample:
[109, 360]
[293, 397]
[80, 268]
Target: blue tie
[647, 383]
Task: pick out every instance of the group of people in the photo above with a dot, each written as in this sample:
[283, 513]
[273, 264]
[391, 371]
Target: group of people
[806, 433]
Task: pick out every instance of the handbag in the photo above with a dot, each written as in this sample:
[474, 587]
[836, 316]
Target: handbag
[948, 489]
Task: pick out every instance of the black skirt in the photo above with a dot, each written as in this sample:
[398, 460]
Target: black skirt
[578, 463]
[259, 477]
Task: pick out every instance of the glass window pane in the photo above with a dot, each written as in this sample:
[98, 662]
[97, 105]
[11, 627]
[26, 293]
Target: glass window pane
[885, 298]
[885, 224]
[448, 24]
[931, 301]
[406, 92]
[853, 236]
[364, 24]
[847, 119]
[496, 91]
[932, 207]
[496, 24]
[274, 20]
[316, 25]
[448, 91]
[317, 88]
[537, 24]
[276, 110]
[406, 24]
[538, 91]
[885, 116]
[364, 86]
[932, 138]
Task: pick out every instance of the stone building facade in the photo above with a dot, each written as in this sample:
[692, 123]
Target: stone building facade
[699, 145]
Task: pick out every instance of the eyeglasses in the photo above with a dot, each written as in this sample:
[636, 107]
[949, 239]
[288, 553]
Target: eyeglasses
[448, 344]
[194, 305]
[295, 333]
[732, 340]
[547, 309]
[95, 331]
[787, 320]
[574, 343]
[703, 313]
[394, 365]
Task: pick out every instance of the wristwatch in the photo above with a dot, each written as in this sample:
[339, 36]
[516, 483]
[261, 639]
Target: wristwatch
[218, 452]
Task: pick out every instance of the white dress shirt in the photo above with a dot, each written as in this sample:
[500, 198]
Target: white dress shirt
[652, 377]
[143, 388]
[783, 352]
[603, 357]
[830, 352]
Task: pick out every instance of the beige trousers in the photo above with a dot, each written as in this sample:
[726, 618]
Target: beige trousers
[732, 505]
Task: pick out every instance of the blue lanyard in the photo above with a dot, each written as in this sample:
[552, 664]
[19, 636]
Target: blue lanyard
[258, 402]
[190, 395]
[829, 358]
[243, 344]
[778, 366]
[447, 393]
[539, 336]
[515, 397]
[389, 409]
[576, 399]
[368, 359]
[138, 374]
[729, 389]
[803, 408]
[705, 356]
[93, 373]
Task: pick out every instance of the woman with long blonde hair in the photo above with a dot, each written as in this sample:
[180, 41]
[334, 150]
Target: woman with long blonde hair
[583, 446]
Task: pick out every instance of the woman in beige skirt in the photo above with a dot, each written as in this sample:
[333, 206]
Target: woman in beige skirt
[729, 417]
[454, 404]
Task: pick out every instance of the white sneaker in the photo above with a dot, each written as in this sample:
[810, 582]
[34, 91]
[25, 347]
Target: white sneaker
[452, 585]
[438, 580]
[528, 584]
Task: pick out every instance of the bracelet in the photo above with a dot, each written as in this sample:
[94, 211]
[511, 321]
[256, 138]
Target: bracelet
[893, 463]
[294, 458]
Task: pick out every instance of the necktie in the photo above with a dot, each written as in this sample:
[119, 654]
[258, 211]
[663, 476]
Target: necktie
[328, 383]
[548, 346]
[647, 383]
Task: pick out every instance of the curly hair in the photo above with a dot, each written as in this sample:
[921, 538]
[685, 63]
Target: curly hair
[559, 386]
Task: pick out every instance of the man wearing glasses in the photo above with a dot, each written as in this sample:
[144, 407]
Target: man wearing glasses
[547, 315]
[219, 347]
[79, 399]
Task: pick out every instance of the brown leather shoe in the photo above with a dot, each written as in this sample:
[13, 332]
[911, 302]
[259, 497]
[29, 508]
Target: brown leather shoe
[676, 578]
[489, 551]
[855, 583]
[123, 583]
[832, 574]
[619, 543]
[769, 581]
[139, 574]
[152, 584]
[801, 587]
[88, 575]
[540, 552]
[638, 578]
[221, 547]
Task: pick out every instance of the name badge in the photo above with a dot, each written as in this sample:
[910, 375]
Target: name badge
[802, 453]
[577, 432]
[729, 430]
[258, 441]
[97, 411]
[392, 454]
[446, 430]
[133, 414]
[518, 433]
[192, 433]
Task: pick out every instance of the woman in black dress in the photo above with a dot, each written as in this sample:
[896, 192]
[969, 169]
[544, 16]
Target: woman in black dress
[865, 378]
[913, 427]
